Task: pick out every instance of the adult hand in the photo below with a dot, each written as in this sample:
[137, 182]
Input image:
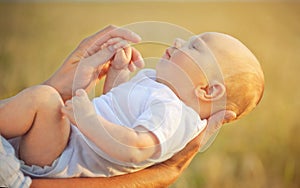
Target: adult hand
[62, 79]
[215, 123]
[160, 175]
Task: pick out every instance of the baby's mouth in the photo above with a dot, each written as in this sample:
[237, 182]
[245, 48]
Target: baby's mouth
[166, 55]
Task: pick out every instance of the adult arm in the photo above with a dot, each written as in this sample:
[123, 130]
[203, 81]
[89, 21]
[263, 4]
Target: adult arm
[62, 79]
[160, 175]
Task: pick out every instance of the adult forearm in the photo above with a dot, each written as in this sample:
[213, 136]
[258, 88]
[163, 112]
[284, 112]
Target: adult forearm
[155, 176]
[160, 175]
[82, 182]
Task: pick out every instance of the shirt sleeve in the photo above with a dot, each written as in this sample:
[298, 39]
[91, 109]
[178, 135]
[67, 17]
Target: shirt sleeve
[173, 123]
[10, 174]
[162, 119]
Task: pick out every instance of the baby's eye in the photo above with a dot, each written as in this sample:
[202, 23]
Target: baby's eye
[196, 46]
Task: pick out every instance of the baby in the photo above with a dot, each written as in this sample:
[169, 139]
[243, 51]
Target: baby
[149, 118]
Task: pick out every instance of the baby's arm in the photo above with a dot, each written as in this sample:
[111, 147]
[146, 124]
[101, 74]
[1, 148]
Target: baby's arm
[119, 142]
[121, 66]
[118, 72]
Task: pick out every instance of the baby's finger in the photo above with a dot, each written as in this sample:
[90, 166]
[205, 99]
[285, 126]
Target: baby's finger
[68, 103]
[128, 53]
[119, 61]
[67, 110]
[80, 92]
[64, 110]
[131, 67]
[137, 58]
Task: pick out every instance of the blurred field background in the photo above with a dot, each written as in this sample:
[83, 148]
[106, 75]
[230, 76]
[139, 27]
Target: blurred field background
[261, 150]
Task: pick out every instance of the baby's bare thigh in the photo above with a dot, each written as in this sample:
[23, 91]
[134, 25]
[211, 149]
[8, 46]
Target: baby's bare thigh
[49, 133]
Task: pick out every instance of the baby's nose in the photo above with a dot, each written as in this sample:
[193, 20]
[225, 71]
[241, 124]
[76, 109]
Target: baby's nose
[178, 43]
[170, 50]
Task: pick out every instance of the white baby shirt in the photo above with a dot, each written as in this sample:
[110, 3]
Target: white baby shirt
[140, 102]
[145, 102]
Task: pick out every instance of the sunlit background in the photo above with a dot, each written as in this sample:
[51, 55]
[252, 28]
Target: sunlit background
[261, 150]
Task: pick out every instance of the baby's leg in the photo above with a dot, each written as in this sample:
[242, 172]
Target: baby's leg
[35, 114]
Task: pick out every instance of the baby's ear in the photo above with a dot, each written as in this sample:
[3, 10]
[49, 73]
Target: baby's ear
[212, 92]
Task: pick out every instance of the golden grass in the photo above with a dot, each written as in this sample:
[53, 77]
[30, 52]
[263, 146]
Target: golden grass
[261, 150]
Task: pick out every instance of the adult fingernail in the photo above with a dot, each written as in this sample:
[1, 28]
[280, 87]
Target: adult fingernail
[139, 37]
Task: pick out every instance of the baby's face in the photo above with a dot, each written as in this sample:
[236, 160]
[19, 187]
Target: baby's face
[181, 65]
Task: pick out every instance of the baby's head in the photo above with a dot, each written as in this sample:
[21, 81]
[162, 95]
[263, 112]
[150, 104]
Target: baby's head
[241, 71]
[212, 72]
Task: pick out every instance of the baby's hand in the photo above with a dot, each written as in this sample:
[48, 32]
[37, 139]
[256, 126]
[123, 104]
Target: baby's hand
[123, 57]
[68, 112]
[79, 109]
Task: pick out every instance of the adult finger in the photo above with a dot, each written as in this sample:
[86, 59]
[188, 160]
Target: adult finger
[104, 55]
[94, 48]
[214, 124]
[94, 42]
[113, 41]
[215, 121]
[229, 116]
[212, 129]
[183, 158]
[123, 33]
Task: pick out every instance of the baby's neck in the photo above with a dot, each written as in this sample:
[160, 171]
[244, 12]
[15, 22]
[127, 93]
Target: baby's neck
[188, 98]
[203, 109]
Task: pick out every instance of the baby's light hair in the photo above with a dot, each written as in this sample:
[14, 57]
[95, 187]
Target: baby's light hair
[242, 73]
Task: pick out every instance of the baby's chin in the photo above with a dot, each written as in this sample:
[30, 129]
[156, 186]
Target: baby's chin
[164, 60]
